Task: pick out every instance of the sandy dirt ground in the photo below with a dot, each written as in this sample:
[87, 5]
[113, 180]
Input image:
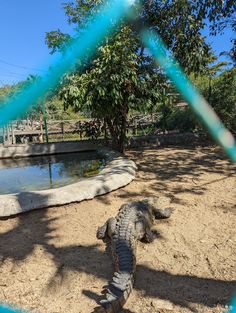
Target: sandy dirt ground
[51, 261]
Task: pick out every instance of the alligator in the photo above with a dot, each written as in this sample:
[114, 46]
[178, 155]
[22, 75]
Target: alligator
[132, 223]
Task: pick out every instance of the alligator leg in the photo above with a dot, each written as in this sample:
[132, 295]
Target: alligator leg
[163, 213]
[163, 209]
[111, 226]
[143, 230]
[107, 230]
[149, 236]
[102, 231]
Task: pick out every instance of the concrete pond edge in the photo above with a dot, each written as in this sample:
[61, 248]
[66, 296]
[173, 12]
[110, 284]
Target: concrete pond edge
[118, 172]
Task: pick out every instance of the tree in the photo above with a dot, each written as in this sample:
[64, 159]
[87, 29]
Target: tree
[111, 86]
[123, 76]
[213, 69]
[5, 91]
[222, 15]
[223, 97]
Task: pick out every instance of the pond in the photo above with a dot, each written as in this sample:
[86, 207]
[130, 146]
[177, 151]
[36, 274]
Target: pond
[47, 172]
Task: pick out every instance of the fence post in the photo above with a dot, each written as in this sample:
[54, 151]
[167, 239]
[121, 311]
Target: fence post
[45, 119]
[81, 131]
[105, 130]
[135, 127]
[41, 130]
[3, 135]
[62, 131]
[13, 135]
[152, 118]
[8, 134]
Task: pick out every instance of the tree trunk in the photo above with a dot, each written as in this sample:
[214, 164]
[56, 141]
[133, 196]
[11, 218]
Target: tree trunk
[117, 128]
[123, 129]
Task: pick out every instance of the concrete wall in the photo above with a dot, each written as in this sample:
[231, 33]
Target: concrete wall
[25, 150]
[119, 171]
[172, 139]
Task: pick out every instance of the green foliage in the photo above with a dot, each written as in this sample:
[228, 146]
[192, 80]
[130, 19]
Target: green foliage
[220, 91]
[175, 118]
[123, 77]
[109, 88]
[223, 98]
[5, 91]
[110, 81]
[222, 14]
[181, 119]
[56, 40]
[55, 110]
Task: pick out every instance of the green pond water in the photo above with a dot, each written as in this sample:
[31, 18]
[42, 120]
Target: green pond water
[47, 172]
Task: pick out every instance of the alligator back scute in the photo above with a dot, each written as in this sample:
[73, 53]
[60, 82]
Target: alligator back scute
[122, 234]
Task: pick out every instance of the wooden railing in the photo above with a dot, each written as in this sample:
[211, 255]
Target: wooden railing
[33, 131]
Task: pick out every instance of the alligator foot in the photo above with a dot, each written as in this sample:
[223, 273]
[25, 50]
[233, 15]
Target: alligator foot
[101, 232]
[148, 237]
[161, 214]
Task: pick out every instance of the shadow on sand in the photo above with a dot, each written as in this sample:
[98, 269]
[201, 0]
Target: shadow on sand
[34, 228]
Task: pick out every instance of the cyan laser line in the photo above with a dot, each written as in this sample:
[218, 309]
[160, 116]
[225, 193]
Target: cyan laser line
[81, 48]
[5, 309]
[84, 46]
[233, 306]
[198, 104]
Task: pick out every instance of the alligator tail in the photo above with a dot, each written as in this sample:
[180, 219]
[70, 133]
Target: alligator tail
[117, 292]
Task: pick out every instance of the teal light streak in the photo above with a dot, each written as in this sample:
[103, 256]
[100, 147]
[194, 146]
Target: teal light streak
[198, 104]
[233, 306]
[4, 309]
[81, 48]
[84, 46]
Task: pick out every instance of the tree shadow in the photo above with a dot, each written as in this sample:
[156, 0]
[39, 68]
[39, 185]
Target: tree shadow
[174, 174]
[181, 290]
[184, 290]
[35, 228]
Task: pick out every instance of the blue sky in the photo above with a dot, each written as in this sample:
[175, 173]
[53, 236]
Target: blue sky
[23, 24]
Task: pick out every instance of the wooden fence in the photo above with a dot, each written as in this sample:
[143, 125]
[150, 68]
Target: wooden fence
[25, 131]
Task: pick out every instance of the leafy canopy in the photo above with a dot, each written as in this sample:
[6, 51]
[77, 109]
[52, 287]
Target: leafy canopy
[123, 76]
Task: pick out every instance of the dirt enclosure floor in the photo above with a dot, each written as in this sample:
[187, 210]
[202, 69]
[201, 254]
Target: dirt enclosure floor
[51, 261]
